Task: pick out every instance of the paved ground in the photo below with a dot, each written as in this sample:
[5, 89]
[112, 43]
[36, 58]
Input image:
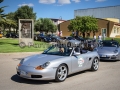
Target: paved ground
[106, 78]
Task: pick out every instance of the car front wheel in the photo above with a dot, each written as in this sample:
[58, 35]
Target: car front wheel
[95, 64]
[61, 73]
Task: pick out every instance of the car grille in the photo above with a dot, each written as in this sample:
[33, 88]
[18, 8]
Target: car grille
[105, 57]
[110, 57]
[36, 76]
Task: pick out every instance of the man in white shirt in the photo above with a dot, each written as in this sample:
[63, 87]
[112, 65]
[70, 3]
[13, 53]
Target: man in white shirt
[99, 38]
[94, 37]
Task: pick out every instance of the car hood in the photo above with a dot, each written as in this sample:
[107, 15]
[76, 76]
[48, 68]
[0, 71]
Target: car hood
[39, 59]
[107, 50]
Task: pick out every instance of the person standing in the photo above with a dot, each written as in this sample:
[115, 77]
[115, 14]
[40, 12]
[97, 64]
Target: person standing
[94, 37]
[104, 36]
[73, 33]
[99, 38]
[60, 33]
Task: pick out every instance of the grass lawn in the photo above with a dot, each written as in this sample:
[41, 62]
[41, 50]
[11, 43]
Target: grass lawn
[12, 45]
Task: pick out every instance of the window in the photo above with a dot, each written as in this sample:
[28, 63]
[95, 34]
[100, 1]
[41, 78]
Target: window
[104, 32]
[114, 29]
[118, 30]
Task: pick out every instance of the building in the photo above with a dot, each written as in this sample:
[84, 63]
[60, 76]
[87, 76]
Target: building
[108, 20]
[110, 28]
[57, 21]
[100, 12]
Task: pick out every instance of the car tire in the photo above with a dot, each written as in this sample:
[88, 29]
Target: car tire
[61, 73]
[95, 64]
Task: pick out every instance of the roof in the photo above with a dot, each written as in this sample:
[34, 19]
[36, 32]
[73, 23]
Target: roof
[118, 24]
[98, 7]
[54, 19]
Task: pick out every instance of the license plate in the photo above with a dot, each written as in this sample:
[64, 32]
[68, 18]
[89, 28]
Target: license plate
[103, 55]
[23, 73]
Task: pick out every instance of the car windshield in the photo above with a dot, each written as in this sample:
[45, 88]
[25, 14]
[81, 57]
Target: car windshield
[109, 44]
[60, 51]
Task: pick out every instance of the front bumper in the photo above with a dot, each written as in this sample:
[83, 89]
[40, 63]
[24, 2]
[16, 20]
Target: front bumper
[109, 57]
[29, 72]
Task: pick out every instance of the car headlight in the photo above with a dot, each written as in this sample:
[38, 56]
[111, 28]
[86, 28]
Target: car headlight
[41, 67]
[21, 62]
[116, 51]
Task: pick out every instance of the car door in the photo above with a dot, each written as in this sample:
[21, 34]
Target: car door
[79, 62]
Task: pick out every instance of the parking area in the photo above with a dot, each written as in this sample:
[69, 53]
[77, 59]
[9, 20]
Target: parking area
[106, 78]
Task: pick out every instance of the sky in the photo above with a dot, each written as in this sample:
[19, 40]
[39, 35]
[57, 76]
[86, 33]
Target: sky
[56, 8]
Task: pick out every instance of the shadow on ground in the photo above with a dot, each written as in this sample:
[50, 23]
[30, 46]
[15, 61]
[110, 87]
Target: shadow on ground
[18, 79]
[9, 43]
[17, 59]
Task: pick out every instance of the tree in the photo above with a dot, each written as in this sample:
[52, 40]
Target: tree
[45, 24]
[84, 24]
[37, 25]
[2, 15]
[11, 16]
[52, 28]
[25, 12]
[8, 24]
[12, 23]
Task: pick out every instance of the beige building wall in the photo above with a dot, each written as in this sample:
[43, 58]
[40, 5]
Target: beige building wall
[102, 25]
[115, 31]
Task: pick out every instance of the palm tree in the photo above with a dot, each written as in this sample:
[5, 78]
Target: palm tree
[2, 15]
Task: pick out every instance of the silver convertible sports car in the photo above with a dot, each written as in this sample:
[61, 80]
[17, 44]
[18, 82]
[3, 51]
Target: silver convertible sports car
[56, 63]
[109, 50]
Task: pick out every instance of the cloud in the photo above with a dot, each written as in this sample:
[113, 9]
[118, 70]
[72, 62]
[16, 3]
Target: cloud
[100, 0]
[76, 1]
[64, 2]
[47, 1]
[24, 4]
[87, 0]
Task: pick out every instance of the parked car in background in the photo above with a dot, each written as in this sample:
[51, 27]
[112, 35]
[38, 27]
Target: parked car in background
[12, 35]
[39, 37]
[109, 50]
[54, 38]
[79, 38]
